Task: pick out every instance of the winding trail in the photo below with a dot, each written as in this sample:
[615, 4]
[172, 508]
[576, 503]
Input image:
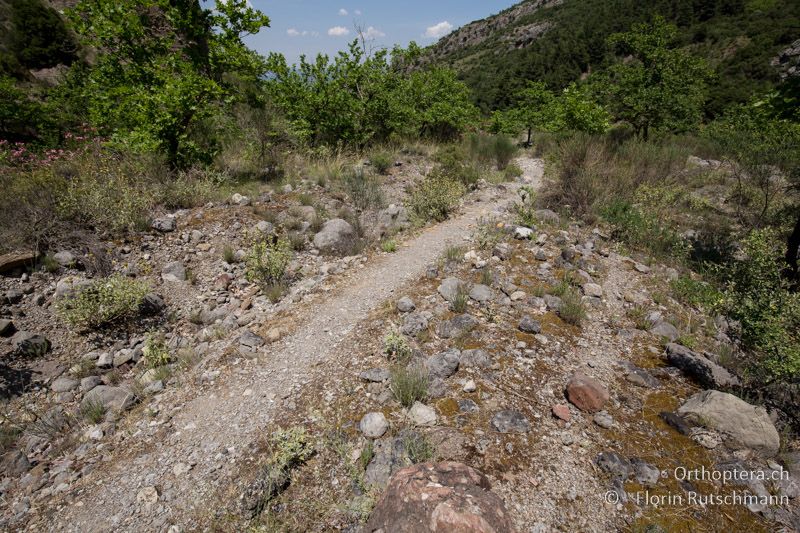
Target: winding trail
[213, 424]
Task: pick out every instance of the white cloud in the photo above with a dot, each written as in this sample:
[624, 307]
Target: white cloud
[343, 12]
[338, 31]
[439, 30]
[373, 33]
[357, 12]
[291, 32]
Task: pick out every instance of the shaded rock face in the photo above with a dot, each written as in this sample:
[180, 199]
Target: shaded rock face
[740, 424]
[443, 497]
[704, 371]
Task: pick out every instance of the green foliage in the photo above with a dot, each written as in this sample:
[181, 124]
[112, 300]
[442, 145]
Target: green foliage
[572, 310]
[267, 260]
[395, 346]
[418, 447]
[662, 87]
[645, 230]
[525, 209]
[381, 161]
[389, 246]
[38, 37]
[760, 299]
[104, 302]
[696, 293]
[409, 384]
[357, 99]
[364, 190]
[155, 351]
[93, 411]
[435, 198]
[460, 300]
[492, 149]
[290, 447]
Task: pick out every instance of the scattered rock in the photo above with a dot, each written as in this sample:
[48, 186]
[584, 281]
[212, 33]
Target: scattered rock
[510, 422]
[442, 497]
[467, 406]
[644, 472]
[470, 386]
[65, 259]
[17, 260]
[414, 324]
[741, 425]
[614, 464]
[585, 393]
[603, 419]
[450, 287]
[90, 382]
[593, 290]
[706, 372]
[422, 415]
[337, 237]
[529, 325]
[165, 224]
[111, 398]
[238, 199]
[251, 340]
[14, 463]
[662, 328]
[30, 344]
[481, 293]
[561, 411]
[456, 326]
[373, 425]
[64, 384]
[522, 233]
[443, 364]
[6, 327]
[152, 304]
[405, 305]
[147, 496]
[475, 358]
[375, 375]
[173, 272]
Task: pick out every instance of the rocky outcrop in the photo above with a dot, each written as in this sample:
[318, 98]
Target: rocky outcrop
[706, 372]
[740, 424]
[443, 497]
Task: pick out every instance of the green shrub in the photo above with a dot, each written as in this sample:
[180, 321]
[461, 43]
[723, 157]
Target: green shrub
[228, 254]
[418, 447]
[644, 230]
[512, 171]
[460, 300]
[496, 150]
[638, 315]
[409, 384]
[395, 346]
[525, 209]
[155, 351]
[572, 311]
[93, 410]
[455, 163]
[381, 162]
[104, 302]
[267, 260]
[454, 253]
[435, 198]
[760, 299]
[695, 292]
[389, 246]
[364, 190]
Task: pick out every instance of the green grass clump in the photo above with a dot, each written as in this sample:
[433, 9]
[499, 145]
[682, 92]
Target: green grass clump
[381, 161]
[107, 301]
[572, 310]
[364, 190]
[409, 384]
[93, 410]
[267, 261]
[435, 198]
[389, 246]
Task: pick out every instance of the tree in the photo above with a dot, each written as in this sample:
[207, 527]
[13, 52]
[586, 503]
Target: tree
[536, 109]
[656, 86]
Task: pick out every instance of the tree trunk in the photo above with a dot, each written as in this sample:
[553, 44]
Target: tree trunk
[792, 245]
[528, 142]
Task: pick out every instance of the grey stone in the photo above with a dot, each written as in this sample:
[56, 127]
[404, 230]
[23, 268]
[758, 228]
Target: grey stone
[467, 406]
[593, 289]
[475, 358]
[105, 360]
[165, 224]
[529, 325]
[251, 340]
[373, 425]
[481, 293]
[13, 296]
[414, 324]
[111, 398]
[64, 384]
[123, 356]
[7, 327]
[443, 364]
[405, 305]
[239, 199]
[546, 215]
[740, 424]
[152, 304]
[553, 302]
[90, 382]
[337, 237]
[422, 415]
[509, 421]
[644, 472]
[375, 375]
[522, 233]
[173, 272]
[69, 286]
[389, 455]
[604, 420]
[450, 287]
[664, 329]
[14, 463]
[706, 372]
[30, 344]
[65, 258]
[265, 228]
[456, 326]
[616, 465]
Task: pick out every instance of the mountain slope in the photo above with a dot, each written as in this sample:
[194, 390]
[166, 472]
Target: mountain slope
[560, 41]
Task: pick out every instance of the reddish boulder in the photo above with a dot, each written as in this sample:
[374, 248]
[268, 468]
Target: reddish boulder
[585, 393]
[443, 497]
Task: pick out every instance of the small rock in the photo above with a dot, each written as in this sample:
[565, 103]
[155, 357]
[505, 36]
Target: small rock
[405, 305]
[251, 340]
[587, 394]
[456, 326]
[593, 290]
[529, 325]
[475, 358]
[604, 420]
[481, 293]
[414, 324]
[450, 287]
[238, 199]
[422, 415]
[522, 233]
[561, 412]
[65, 259]
[147, 496]
[173, 272]
[373, 425]
[64, 384]
[470, 386]
[90, 382]
[7, 328]
[30, 344]
[510, 422]
[165, 224]
[375, 375]
[444, 364]
[662, 328]
[14, 463]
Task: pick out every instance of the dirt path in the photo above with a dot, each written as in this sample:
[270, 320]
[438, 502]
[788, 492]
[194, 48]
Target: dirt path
[190, 448]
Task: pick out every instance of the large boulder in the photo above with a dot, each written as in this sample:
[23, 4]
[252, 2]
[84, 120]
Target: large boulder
[442, 497]
[706, 372]
[30, 344]
[111, 398]
[337, 237]
[450, 287]
[740, 424]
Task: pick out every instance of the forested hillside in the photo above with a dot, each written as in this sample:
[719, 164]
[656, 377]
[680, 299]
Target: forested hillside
[558, 42]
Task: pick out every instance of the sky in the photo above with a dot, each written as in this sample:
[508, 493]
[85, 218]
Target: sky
[313, 26]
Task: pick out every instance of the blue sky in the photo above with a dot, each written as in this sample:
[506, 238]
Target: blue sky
[313, 26]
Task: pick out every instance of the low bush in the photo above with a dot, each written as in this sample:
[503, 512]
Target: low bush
[396, 347]
[435, 198]
[572, 311]
[364, 190]
[497, 150]
[381, 162]
[267, 260]
[155, 351]
[107, 301]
